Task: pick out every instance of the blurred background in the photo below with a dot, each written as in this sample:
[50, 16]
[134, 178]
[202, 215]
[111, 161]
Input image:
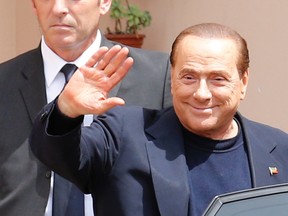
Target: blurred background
[261, 22]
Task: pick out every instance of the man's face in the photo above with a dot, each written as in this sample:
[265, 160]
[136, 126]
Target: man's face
[69, 24]
[206, 86]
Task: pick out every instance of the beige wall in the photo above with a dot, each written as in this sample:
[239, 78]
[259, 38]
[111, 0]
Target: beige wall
[261, 22]
[28, 33]
[8, 31]
[20, 30]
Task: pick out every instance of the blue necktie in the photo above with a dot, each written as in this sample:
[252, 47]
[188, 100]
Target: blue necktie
[68, 200]
[68, 70]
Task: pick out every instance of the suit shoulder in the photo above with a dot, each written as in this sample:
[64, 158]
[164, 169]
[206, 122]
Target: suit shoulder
[148, 116]
[131, 110]
[18, 63]
[262, 130]
[22, 66]
[137, 53]
[22, 57]
[126, 114]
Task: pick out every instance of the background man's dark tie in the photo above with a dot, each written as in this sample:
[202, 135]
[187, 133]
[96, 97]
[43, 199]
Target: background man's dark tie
[68, 70]
[68, 200]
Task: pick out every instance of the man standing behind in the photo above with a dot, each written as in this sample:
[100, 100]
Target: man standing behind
[29, 81]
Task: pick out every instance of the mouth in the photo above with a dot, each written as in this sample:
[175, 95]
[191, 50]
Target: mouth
[204, 110]
[61, 26]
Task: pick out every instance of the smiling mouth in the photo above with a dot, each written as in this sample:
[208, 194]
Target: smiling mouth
[199, 108]
[204, 109]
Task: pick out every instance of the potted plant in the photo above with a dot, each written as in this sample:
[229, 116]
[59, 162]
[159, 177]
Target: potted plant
[129, 19]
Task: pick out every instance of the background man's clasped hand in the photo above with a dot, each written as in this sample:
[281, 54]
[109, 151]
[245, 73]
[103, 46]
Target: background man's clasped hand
[104, 70]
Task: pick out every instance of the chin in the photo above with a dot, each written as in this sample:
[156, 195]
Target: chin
[202, 126]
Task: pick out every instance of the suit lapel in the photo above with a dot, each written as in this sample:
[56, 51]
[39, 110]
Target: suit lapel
[168, 166]
[261, 149]
[32, 85]
[33, 91]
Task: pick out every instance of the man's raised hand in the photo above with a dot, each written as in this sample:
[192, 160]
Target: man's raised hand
[88, 89]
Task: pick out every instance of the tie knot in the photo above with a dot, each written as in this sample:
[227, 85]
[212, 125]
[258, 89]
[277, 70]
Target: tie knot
[68, 70]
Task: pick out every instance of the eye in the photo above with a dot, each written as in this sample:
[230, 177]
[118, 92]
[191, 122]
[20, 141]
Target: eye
[219, 78]
[188, 79]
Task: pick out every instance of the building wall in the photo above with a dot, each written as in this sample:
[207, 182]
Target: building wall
[19, 31]
[8, 31]
[261, 22]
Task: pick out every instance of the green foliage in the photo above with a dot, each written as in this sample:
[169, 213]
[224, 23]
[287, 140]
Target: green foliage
[134, 18]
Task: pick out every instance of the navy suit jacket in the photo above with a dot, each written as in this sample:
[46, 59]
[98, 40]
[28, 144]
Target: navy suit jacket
[24, 181]
[132, 160]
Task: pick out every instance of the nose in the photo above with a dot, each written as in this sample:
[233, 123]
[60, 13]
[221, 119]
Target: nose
[60, 7]
[202, 92]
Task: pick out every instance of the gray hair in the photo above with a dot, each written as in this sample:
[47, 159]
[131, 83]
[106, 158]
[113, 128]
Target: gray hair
[216, 31]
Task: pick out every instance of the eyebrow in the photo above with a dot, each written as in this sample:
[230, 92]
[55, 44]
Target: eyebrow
[190, 70]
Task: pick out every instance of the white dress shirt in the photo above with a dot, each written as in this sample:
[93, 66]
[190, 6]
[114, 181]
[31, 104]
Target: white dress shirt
[55, 82]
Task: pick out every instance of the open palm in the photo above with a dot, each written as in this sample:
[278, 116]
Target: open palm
[88, 89]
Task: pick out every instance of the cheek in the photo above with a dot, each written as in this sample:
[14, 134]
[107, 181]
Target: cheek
[181, 91]
[229, 95]
[89, 22]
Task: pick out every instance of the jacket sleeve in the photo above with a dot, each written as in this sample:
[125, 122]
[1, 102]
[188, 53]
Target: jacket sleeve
[55, 141]
[83, 155]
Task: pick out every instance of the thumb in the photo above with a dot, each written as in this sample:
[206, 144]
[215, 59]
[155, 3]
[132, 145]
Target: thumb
[109, 103]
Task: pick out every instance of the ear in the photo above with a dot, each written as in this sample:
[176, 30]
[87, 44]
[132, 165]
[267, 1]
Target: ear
[171, 79]
[244, 83]
[34, 7]
[105, 6]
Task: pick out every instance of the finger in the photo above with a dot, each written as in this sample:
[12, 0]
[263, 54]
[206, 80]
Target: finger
[96, 57]
[106, 59]
[116, 62]
[121, 72]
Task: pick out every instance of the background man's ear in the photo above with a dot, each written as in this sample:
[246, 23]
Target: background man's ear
[105, 6]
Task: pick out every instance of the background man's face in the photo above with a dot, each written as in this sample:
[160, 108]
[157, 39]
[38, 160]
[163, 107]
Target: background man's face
[68, 24]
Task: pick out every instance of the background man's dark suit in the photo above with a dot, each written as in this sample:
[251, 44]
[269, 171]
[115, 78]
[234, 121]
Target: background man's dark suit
[139, 156]
[24, 181]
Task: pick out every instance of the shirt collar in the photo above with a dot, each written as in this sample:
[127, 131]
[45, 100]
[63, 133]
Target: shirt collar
[53, 63]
